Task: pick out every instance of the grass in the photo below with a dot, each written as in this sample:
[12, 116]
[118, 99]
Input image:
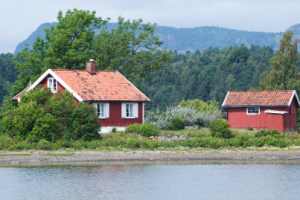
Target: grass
[193, 139]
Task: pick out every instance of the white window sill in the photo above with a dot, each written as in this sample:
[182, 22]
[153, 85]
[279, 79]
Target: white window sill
[103, 117]
[129, 117]
[253, 113]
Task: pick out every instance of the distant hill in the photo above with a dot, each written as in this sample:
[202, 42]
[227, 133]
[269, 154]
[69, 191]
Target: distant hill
[199, 38]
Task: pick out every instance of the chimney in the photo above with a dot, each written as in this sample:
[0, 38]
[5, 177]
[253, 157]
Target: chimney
[91, 67]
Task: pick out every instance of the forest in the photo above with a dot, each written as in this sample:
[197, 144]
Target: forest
[206, 75]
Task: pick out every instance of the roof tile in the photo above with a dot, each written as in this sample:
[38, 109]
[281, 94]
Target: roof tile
[259, 98]
[102, 86]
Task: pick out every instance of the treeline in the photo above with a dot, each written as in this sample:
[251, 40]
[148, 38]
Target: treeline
[7, 73]
[207, 75]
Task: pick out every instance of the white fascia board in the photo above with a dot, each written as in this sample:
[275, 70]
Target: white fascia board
[58, 79]
[225, 98]
[292, 97]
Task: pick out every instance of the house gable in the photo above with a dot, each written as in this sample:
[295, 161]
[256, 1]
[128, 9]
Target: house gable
[51, 73]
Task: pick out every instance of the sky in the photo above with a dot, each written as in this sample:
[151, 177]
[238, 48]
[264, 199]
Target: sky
[19, 18]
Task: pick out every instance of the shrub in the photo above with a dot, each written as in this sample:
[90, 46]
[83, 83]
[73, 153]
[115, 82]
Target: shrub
[44, 145]
[5, 142]
[264, 133]
[176, 124]
[189, 114]
[220, 128]
[145, 129]
[41, 115]
[22, 145]
[201, 106]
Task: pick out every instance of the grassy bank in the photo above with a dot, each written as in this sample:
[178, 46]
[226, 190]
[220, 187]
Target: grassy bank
[166, 140]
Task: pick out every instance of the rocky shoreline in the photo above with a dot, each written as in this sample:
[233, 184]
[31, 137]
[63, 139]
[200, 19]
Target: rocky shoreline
[86, 158]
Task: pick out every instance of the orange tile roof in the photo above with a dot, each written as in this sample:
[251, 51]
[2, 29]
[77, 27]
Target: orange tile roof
[259, 98]
[102, 86]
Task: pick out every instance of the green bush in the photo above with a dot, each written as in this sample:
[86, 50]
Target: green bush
[44, 145]
[145, 129]
[5, 142]
[263, 133]
[220, 128]
[176, 124]
[41, 115]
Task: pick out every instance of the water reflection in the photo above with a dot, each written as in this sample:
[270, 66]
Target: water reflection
[135, 182]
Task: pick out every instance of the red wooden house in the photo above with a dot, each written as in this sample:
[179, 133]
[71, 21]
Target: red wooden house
[274, 110]
[118, 103]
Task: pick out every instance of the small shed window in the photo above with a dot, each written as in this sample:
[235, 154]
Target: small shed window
[254, 110]
[52, 84]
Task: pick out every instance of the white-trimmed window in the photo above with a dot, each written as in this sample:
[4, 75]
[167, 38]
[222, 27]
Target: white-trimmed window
[102, 110]
[52, 84]
[130, 110]
[253, 110]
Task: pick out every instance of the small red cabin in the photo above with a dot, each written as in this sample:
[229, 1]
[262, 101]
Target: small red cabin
[274, 110]
[118, 103]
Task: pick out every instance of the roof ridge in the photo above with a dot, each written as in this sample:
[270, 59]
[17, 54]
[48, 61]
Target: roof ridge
[63, 69]
[262, 91]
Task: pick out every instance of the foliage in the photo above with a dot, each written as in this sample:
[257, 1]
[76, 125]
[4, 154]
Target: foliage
[193, 138]
[206, 75]
[145, 129]
[220, 128]
[130, 47]
[283, 74]
[263, 133]
[7, 73]
[200, 105]
[183, 116]
[41, 115]
[43, 145]
[176, 123]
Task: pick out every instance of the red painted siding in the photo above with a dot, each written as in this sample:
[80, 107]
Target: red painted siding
[60, 88]
[115, 118]
[238, 118]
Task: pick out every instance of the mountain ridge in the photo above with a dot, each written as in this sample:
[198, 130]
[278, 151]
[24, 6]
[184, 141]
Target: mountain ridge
[192, 39]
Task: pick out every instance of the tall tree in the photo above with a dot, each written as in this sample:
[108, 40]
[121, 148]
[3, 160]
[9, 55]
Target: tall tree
[7, 73]
[283, 74]
[131, 47]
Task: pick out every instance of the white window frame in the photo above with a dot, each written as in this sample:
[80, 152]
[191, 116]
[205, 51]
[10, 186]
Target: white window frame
[102, 110]
[132, 113]
[253, 113]
[52, 84]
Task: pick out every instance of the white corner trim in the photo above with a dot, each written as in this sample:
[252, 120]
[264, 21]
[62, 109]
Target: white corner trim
[225, 99]
[292, 97]
[58, 79]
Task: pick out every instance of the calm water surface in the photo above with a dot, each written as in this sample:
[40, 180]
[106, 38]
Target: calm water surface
[158, 182]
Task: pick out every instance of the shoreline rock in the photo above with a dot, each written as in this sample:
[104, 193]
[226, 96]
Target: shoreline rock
[91, 158]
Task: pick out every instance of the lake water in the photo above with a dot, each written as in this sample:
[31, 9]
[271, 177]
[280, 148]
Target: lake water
[155, 182]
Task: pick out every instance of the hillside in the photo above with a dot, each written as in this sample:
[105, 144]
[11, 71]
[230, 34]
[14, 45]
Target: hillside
[183, 39]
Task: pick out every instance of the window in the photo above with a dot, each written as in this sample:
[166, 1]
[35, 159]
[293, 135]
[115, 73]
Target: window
[253, 110]
[129, 110]
[52, 84]
[102, 110]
